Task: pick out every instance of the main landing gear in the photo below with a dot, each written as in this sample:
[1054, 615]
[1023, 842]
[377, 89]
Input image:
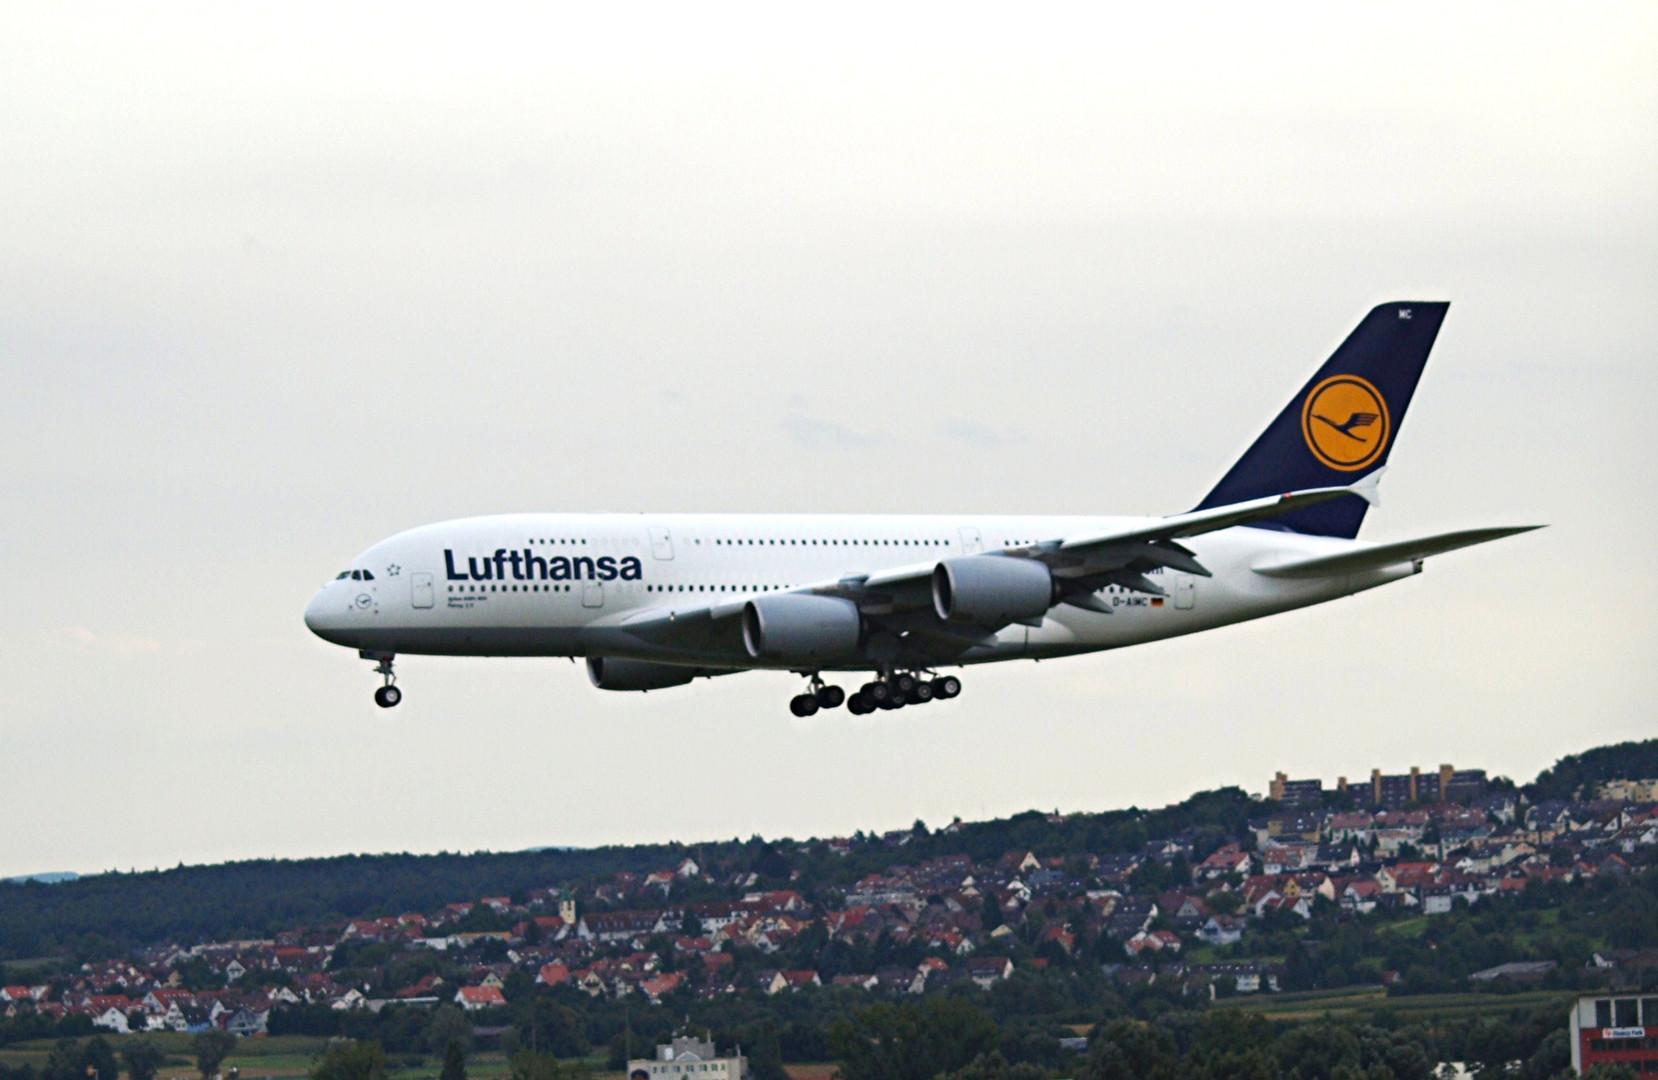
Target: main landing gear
[893, 692]
[818, 697]
[388, 695]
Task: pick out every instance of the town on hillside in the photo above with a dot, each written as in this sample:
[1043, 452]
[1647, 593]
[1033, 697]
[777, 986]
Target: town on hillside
[1248, 897]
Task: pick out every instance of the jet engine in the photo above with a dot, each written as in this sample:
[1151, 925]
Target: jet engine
[611, 673]
[991, 590]
[797, 628]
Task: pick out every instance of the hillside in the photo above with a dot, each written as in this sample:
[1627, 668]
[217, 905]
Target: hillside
[106, 913]
[1581, 772]
[98, 915]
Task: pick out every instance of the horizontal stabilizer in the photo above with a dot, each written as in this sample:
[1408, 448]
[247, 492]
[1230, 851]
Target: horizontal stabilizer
[1380, 555]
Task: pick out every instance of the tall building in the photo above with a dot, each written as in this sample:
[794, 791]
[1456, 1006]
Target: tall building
[1295, 792]
[1393, 790]
[1448, 784]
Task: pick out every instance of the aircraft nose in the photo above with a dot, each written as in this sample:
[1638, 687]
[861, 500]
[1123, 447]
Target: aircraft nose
[314, 619]
[326, 616]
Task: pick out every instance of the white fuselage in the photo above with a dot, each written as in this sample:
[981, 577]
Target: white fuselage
[568, 584]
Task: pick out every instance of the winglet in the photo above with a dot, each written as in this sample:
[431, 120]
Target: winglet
[1368, 489]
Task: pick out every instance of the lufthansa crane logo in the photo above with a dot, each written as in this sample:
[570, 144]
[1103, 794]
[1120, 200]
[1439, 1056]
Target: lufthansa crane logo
[1345, 423]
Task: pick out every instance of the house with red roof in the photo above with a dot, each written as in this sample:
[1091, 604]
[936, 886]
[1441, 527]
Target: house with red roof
[472, 998]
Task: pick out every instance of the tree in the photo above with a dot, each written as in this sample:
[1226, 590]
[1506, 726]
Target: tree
[447, 1025]
[143, 1060]
[551, 1028]
[912, 1042]
[993, 1066]
[347, 1060]
[1553, 1055]
[211, 1047]
[71, 1060]
[527, 1065]
[627, 1046]
[1607, 1071]
[64, 1062]
[99, 1060]
[1224, 902]
[454, 1062]
[1132, 1050]
[765, 1056]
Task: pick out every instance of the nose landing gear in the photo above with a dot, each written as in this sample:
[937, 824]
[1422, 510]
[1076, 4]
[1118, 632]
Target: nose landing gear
[388, 695]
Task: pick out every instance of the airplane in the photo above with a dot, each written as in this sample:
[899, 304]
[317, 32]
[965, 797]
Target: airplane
[652, 601]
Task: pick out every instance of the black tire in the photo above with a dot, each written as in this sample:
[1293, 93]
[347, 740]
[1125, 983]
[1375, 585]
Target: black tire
[921, 693]
[803, 705]
[858, 705]
[903, 684]
[877, 693]
[387, 696]
[946, 687]
[830, 697]
[893, 702]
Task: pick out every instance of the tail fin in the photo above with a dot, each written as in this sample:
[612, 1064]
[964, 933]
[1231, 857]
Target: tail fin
[1343, 422]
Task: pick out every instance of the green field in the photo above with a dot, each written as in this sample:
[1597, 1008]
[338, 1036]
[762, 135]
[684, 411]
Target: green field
[1366, 1002]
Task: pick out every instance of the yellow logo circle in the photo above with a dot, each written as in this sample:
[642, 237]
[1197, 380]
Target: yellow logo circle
[1345, 423]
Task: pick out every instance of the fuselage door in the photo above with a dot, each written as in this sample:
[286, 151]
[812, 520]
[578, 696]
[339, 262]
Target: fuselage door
[662, 543]
[592, 594]
[1185, 593]
[971, 544]
[420, 589]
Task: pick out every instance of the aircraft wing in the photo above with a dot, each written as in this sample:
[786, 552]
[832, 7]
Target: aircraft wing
[1085, 564]
[1376, 556]
[901, 597]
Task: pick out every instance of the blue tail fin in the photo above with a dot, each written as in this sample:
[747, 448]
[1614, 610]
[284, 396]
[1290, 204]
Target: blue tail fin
[1342, 424]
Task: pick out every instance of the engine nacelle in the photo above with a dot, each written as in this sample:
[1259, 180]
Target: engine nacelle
[612, 673]
[991, 590]
[801, 629]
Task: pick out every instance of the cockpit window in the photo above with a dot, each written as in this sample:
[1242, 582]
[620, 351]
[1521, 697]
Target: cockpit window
[342, 575]
[356, 575]
[368, 575]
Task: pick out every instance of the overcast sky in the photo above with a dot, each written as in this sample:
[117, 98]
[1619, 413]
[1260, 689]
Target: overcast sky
[275, 286]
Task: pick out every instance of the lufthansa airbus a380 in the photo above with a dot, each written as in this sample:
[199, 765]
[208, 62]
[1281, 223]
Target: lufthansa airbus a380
[656, 600]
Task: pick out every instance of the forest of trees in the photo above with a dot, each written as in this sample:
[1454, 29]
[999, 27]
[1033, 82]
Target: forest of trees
[1574, 772]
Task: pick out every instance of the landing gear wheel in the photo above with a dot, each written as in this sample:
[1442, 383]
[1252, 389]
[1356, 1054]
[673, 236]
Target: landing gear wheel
[803, 704]
[388, 695]
[830, 697]
[893, 701]
[858, 705]
[903, 684]
[920, 693]
[876, 693]
[946, 687]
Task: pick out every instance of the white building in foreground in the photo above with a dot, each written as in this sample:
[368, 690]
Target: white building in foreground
[689, 1059]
